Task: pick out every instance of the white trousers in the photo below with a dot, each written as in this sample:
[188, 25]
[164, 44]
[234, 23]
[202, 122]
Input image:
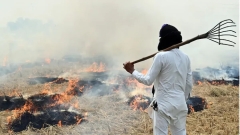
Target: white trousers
[161, 122]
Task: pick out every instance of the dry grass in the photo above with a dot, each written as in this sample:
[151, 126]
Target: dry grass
[110, 115]
[222, 117]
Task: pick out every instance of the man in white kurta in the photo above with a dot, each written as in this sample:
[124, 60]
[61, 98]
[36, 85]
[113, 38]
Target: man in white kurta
[172, 78]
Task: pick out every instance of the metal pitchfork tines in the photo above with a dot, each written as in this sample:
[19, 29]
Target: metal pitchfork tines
[216, 35]
[217, 32]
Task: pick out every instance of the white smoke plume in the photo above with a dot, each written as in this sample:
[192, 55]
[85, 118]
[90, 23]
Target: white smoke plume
[120, 30]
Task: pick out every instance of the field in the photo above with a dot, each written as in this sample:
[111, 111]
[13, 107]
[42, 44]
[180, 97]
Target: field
[221, 118]
[106, 112]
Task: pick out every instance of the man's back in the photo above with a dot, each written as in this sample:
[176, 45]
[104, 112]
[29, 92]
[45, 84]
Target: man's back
[170, 84]
[173, 74]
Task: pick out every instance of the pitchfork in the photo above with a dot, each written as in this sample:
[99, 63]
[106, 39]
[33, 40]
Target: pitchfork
[215, 35]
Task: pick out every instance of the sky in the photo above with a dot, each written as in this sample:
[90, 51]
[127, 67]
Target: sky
[123, 30]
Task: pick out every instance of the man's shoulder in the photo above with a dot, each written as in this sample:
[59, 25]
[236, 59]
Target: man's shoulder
[182, 53]
[161, 53]
[173, 52]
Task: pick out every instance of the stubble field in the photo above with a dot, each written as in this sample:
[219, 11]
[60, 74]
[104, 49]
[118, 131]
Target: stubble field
[105, 111]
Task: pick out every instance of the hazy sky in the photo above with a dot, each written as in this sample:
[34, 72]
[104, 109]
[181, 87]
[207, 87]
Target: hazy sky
[124, 30]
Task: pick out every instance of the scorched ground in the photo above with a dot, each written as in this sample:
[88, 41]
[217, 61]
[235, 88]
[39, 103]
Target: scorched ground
[65, 97]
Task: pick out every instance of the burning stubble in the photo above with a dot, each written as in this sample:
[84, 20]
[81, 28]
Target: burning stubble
[76, 53]
[43, 109]
[69, 101]
[85, 96]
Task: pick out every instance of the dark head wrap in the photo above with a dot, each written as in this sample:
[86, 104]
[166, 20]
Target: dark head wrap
[169, 36]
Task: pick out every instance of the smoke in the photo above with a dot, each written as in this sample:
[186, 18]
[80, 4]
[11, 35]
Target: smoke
[119, 30]
[224, 72]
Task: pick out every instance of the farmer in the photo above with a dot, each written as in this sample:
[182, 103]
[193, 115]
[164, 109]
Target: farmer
[172, 77]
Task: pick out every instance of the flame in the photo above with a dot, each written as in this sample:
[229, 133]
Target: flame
[72, 85]
[10, 132]
[144, 71]
[28, 107]
[81, 88]
[214, 82]
[134, 104]
[139, 103]
[59, 123]
[135, 84]
[75, 105]
[78, 120]
[199, 83]
[68, 94]
[139, 90]
[48, 60]
[9, 119]
[14, 93]
[62, 98]
[46, 90]
[59, 80]
[96, 67]
[86, 114]
[191, 109]
[209, 105]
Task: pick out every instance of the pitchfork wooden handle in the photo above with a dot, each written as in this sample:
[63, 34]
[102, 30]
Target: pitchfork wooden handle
[205, 35]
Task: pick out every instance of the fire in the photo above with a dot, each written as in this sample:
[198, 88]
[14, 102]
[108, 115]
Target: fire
[62, 98]
[44, 101]
[209, 105]
[75, 105]
[144, 71]
[78, 120]
[81, 88]
[73, 88]
[59, 80]
[139, 102]
[66, 96]
[14, 93]
[135, 84]
[219, 82]
[214, 83]
[28, 107]
[9, 119]
[59, 123]
[191, 109]
[199, 83]
[46, 89]
[134, 104]
[95, 67]
[47, 60]
[86, 114]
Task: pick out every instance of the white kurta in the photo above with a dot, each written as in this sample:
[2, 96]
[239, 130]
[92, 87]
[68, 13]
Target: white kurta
[172, 77]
